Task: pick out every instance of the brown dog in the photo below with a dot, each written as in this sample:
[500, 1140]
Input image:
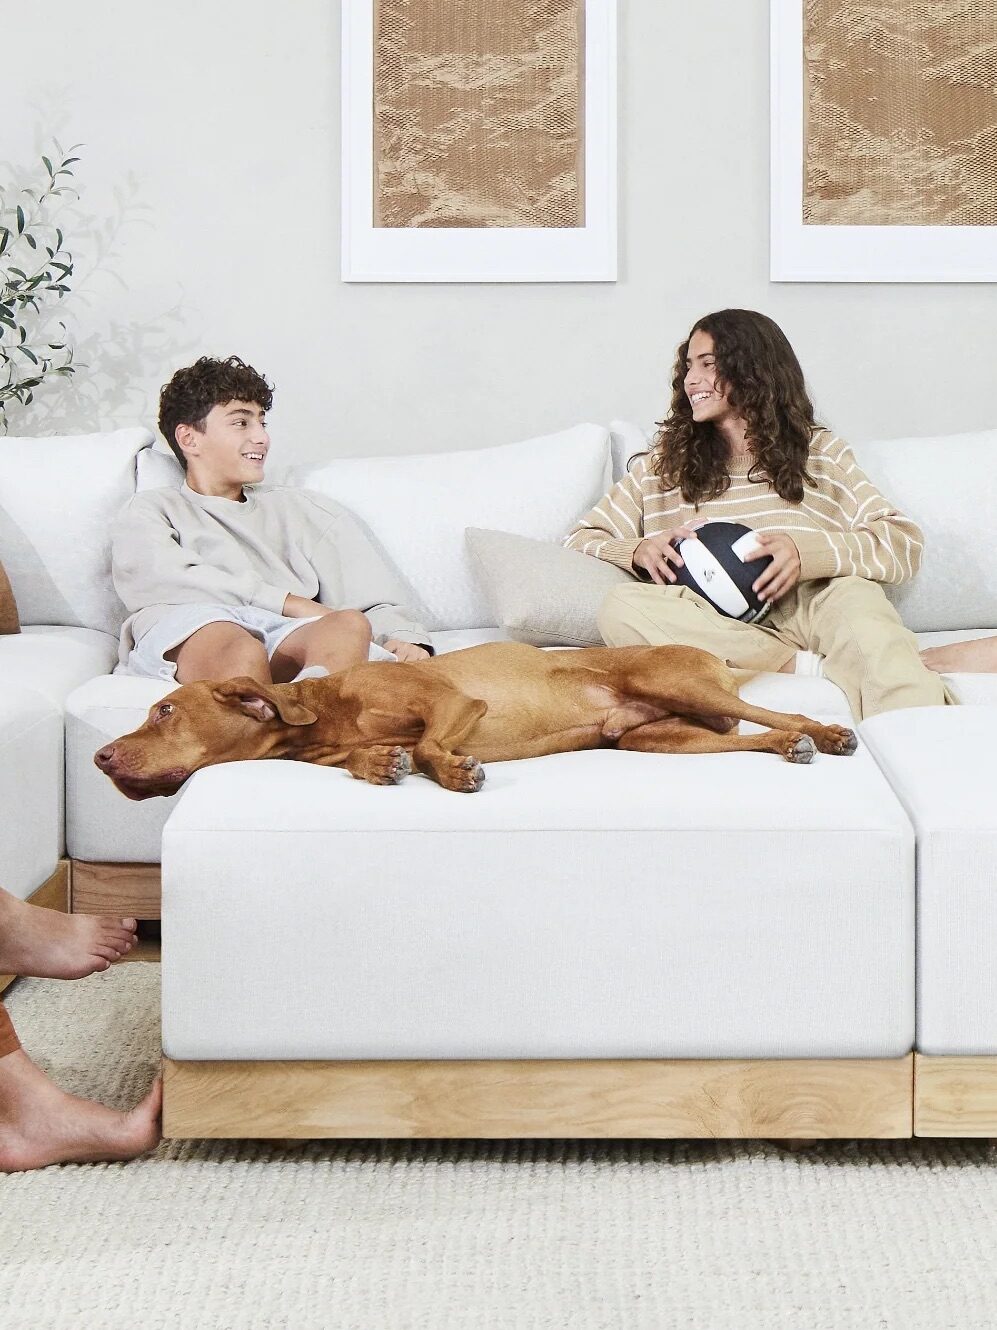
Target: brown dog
[447, 715]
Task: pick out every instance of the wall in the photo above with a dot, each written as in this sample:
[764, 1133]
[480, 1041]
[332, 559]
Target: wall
[209, 223]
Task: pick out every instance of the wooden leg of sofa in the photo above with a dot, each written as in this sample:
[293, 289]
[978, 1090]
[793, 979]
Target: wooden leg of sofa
[662, 1100]
[53, 894]
[117, 889]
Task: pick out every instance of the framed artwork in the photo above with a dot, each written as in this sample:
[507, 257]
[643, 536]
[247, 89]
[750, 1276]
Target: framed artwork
[479, 141]
[884, 141]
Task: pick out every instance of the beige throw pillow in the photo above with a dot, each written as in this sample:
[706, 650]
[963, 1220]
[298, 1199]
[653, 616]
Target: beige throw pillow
[9, 622]
[540, 592]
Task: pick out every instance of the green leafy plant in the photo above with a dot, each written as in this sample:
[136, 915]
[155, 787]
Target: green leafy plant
[35, 275]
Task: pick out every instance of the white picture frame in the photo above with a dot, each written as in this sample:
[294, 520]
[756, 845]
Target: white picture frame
[487, 254]
[800, 253]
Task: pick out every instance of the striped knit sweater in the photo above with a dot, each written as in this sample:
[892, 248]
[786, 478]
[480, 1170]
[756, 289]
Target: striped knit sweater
[843, 526]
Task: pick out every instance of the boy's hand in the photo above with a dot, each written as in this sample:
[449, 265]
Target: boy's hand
[406, 650]
[783, 572]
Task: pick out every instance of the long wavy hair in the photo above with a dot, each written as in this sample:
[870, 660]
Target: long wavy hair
[761, 376]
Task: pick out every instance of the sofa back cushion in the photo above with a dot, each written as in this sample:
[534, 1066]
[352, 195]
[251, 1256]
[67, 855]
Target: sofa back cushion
[418, 508]
[948, 485]
[58, 498]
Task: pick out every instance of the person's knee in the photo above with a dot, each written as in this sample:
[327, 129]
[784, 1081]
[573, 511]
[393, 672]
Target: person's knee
[348, 624]
[224, 650]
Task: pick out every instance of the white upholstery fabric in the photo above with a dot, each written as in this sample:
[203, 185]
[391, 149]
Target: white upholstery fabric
[596, 904]
[58, 498]
[31, 791]
[626, 441]
[54, 661]
[941, 762]
[101, 824]
[417, 508]
[948, 485]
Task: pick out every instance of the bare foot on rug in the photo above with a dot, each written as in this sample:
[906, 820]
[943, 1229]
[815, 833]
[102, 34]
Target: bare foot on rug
[41, 1124]
[976, 657]
[47, 944]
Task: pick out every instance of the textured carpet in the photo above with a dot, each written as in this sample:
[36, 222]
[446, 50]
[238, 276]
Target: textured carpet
[712, 1235]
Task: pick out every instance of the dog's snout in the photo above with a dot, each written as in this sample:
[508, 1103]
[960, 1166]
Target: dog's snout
[104, 757]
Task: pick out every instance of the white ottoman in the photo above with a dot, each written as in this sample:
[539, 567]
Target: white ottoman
[942, 762]
[587, 905]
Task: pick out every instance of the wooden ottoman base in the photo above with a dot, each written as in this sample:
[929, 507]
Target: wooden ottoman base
[491, 1099]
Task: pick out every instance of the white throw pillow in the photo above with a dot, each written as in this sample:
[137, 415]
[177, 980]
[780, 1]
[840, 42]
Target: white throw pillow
[58, 498]
[948, 485]
[417, 508]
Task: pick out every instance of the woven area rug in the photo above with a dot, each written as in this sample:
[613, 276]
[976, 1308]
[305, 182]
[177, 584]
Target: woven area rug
[712, 1235]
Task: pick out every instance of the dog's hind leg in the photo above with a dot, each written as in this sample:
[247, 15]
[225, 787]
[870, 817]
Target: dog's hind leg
[706, 691]
[678, 735]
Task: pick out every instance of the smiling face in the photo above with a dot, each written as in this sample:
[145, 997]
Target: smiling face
[707, 395]
[228, 451]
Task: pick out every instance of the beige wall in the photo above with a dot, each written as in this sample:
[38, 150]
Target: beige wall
[209, 223]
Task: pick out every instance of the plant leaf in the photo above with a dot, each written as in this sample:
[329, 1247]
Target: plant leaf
[20, 220]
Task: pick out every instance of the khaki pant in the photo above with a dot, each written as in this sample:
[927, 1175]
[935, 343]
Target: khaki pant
[868, 652]
[9, 1042]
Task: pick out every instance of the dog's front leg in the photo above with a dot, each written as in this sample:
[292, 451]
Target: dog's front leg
[380, 764]
[449, 719]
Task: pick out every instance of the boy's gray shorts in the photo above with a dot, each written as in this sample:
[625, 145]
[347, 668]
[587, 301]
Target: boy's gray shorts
[148, 656]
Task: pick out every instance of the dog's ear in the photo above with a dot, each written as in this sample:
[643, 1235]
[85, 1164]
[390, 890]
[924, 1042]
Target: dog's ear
[262, 701]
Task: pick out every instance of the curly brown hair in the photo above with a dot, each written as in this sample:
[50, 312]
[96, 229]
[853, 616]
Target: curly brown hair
[764, 383]
[192, 392]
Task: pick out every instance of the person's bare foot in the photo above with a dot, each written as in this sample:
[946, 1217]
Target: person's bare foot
[976, 657]
[47, 944]
[41, 1124]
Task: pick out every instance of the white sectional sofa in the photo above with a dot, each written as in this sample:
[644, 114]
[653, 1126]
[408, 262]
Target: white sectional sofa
[57, 497]
[565, 953]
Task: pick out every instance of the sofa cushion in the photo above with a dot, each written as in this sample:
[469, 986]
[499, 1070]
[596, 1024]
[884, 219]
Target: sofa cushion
[58, 498]
[940, 762]
[539, 591]
[101, 824]
[55, 660]
[31, 789]
[417, 508]
[948, 485]
[754, 909]
[9, 621]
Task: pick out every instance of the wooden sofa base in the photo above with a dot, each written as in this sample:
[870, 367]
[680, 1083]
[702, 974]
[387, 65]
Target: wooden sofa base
[665, 1100]
[955, 1096]
[53, 894]
[128, 890]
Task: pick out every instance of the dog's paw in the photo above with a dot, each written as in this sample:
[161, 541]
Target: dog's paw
[465, 775]
[385, 766]
[800, 748]
[838, 740]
